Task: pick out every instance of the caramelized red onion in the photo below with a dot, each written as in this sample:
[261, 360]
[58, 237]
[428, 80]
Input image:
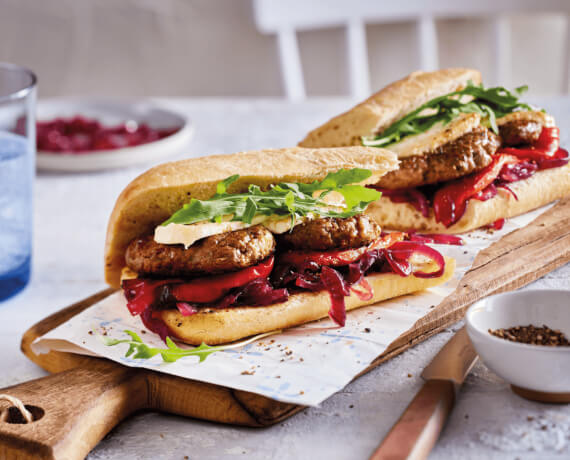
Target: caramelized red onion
[338, 289]
[142, 293]
[508, 189]
[517, 171]
[498, 224]
[186, 309]
[411, 196]
[560, 158]
[154, 323]
[402, 251]
[366, 293]
[340, 281]
[435, 238]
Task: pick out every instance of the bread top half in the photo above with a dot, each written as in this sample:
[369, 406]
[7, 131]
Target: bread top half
[155, 195]
[388, 105]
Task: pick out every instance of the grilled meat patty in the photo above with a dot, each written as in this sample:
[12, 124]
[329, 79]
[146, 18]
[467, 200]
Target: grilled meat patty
[332, 233]
[520, 132]
[221, 253]
[464, 155]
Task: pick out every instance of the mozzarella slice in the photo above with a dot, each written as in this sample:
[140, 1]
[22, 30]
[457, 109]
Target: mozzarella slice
[189, 234]
[436, 136]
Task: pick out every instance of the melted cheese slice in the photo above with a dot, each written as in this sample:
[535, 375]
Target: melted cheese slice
[189, 234]
[438, 135]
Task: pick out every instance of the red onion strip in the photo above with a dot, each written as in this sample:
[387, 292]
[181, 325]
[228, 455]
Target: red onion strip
[408, 248]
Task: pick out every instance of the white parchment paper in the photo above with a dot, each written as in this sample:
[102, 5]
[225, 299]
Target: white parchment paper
[304, 365]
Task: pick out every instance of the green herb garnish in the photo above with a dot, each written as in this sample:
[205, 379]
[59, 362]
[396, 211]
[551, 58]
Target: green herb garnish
[284, 199]
[490, 103]
[140, 350]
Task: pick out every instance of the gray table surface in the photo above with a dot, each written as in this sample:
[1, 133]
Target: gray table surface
[71, 211]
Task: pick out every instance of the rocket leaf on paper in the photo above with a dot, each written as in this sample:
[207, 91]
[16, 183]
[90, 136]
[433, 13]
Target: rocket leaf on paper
[140, 350]
[490, 103]
[286, 199]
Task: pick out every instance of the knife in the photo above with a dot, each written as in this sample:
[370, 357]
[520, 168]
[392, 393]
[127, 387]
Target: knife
[416, 432]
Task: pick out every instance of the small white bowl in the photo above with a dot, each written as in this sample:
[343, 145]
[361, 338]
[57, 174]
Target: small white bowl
[536, 368]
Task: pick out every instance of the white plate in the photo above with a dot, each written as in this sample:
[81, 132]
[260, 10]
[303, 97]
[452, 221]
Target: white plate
[113, 113]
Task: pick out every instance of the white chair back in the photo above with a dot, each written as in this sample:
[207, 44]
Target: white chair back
[286, 17]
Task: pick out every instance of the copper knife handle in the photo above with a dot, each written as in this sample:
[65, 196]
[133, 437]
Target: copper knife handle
[416, 431]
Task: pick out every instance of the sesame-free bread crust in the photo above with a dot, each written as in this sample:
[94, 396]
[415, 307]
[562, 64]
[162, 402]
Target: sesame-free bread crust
[387, 106]
[155, 195]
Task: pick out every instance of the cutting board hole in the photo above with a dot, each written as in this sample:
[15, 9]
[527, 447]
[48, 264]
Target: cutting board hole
[15, 416]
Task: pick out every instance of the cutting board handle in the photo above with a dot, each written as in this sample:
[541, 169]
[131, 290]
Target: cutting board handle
[73, 411]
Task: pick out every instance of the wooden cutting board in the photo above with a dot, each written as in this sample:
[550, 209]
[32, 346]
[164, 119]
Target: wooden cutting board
[87, 396]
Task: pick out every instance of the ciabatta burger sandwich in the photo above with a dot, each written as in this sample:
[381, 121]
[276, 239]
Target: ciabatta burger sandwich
[469, 156]
[219, 248]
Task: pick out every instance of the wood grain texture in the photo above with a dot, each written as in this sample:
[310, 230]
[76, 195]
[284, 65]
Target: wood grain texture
[514, 261]
[87, 403]
[417, 430]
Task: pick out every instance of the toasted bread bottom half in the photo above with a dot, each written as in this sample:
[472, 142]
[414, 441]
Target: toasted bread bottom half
[216, 326]
[540, 189]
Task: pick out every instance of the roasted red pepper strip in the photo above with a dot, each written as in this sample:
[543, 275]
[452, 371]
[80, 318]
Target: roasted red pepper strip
[142, 293]
[450, 201]
[534, 154]
[548, 141]
[337, 258]
[546, 147]
[206, 290]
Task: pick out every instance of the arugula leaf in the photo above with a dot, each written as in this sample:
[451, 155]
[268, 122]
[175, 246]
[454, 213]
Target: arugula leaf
[139, 350]
[490, 103]
[337, 179]
[284, 199]
[356, 198]
[222, 186]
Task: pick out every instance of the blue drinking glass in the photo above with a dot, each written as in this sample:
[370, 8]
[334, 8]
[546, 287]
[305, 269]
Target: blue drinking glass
[17, 172]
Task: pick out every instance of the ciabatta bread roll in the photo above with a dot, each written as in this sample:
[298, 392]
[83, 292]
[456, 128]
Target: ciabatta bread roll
[194, 282]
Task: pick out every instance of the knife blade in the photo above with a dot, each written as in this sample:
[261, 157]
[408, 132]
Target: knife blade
[416, 431]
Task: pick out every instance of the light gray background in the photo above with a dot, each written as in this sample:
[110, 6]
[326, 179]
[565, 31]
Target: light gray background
[212, 48]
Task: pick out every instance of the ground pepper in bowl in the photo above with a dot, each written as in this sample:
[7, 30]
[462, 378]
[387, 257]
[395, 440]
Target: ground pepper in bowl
[532, 335]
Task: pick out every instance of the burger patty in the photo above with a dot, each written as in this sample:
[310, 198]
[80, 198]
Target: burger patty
[520, 132]
[215, 254]
[464, 155]
[332, 233]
